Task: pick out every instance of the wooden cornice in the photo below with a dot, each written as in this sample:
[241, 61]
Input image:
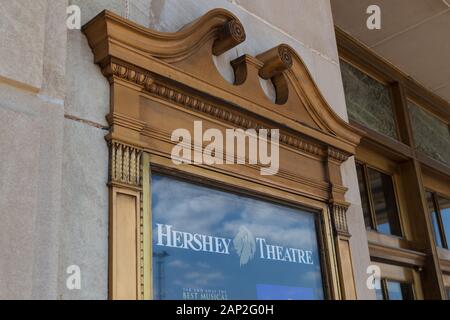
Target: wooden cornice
[181, 58]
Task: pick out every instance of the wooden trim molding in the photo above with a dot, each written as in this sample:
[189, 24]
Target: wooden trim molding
[396, 255]
[164, 81]
[444, 256]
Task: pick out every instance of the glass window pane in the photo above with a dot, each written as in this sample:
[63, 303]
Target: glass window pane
[407, 291]
[434, 219]
[444, 205]
[364, 197]
[211, 244]
[431, 135]
[382, 192]
[379, 294]
[394, 290]
[368, 101]
[399, 291]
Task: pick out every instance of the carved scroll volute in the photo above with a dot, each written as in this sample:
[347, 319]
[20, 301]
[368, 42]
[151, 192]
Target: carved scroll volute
[231, 34]
[275, 62]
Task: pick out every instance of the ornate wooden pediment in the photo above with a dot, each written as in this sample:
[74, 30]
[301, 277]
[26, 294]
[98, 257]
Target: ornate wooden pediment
[161, 62]
[164, 81]
[178, 68]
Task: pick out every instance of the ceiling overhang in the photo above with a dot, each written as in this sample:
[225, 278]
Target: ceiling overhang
[414, 37]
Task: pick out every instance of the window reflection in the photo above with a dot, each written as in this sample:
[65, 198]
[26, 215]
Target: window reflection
[407, 291]
[399, 291]
[379, 294]
[383, 198]
[444, 205]
[395, 290]
[364, 197]
[214, 245]
[434, 219]
[378, 200]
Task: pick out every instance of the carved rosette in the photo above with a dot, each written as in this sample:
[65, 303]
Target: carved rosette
[285, 55]
[125, 164]
[339, 214]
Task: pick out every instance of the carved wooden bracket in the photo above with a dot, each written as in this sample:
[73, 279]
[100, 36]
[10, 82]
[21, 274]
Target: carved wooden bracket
[164, 81]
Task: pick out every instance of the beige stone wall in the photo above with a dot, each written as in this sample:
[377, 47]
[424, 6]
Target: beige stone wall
[32, 68]
[53, 102]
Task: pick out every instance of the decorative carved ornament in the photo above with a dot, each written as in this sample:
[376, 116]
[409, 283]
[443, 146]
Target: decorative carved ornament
[159, 61]
[340, 219]
[191, 102]
[161, 81]
[125, 162]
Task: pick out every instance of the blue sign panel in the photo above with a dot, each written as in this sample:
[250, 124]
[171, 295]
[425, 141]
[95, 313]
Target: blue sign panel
[214, 245]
